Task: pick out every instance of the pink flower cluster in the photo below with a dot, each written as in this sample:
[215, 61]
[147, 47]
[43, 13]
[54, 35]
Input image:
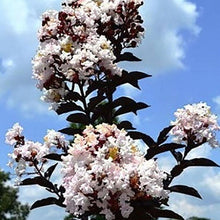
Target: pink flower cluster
[82, 41]
[28, 153]
[195, 122]
[105, 172]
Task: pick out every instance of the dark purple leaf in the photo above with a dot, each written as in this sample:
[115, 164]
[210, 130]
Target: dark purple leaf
[94, 85]
[49, 171]
[163, 135]
[123, 101]
[126, 77]
[127, 56]
[185, 190]
[68, 107]
[178, 169]
[146, 138]
[151, 152]
[177, 155]
[103, 110]
[133, 107]
[126, 125]
[47, 201]
[78, 118]
[70, 131]
[156, 212]
[74, 96]
[138, 75]
[93, 102]
[37, 180]
[200, 162]
[54, 156]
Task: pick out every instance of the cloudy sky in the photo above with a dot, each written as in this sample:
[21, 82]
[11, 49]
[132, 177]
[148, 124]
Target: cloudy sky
[181, 50]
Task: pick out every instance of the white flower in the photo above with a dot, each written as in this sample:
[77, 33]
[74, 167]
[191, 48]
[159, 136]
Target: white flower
[27, 154]
[54, 138]
[105, 165]
[74, 45]
[196, 122]
[13, 134]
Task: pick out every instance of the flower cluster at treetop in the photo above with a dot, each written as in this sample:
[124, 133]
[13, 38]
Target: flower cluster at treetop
[105, 171]
[82, 42]
[195, 122]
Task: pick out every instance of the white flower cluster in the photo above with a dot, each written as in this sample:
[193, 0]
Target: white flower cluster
[54, 138]
[13, 134]
[195, 122]
[105, 171]
[81, 41]
[27, 153]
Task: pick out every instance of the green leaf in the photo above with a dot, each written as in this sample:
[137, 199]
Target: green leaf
[185, 190]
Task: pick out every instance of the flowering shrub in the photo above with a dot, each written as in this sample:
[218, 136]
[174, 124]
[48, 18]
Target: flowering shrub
[104, 171]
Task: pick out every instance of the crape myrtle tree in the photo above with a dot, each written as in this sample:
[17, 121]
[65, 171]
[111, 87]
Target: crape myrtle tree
[104, 172]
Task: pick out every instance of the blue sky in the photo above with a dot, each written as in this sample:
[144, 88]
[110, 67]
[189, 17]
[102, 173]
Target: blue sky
[181, 50]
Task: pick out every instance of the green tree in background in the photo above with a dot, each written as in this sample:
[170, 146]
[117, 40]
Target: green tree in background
[10, 207]
[197, 218]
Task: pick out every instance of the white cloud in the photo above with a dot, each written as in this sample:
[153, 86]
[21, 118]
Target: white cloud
[30, 194]
[20, 21]
[187, 208]
[216, 100]
[166, 21]
[212, 183]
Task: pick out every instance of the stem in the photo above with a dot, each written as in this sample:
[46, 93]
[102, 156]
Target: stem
[38, 170]
[109, 95]
[84, 100]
